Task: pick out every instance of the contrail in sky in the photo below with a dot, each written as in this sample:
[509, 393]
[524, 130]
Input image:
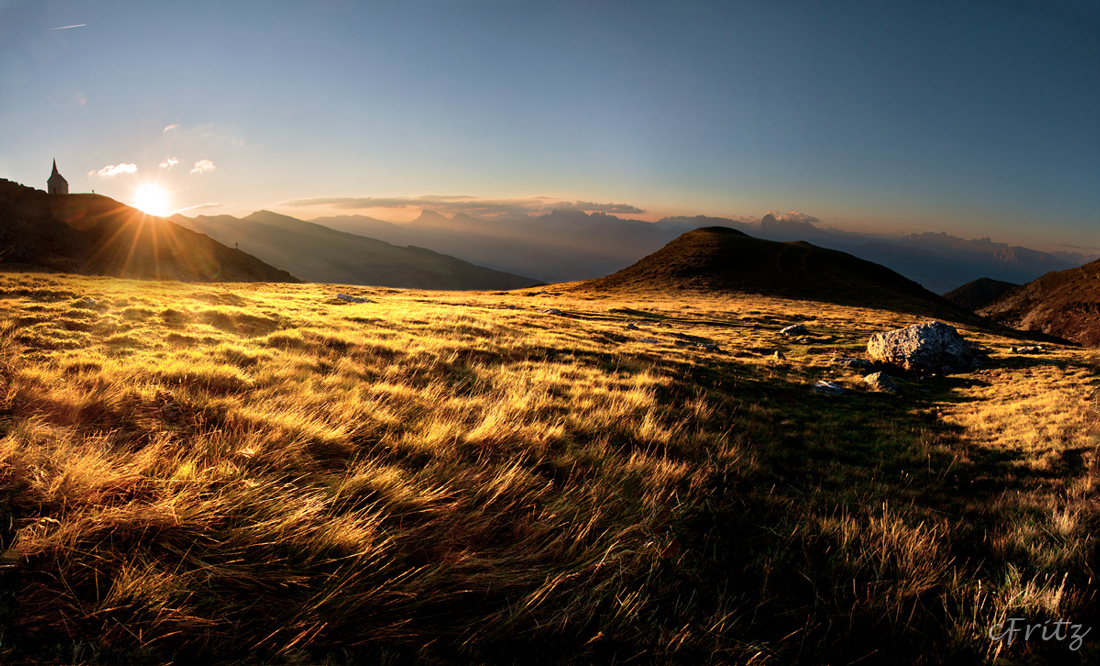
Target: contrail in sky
[66, 27]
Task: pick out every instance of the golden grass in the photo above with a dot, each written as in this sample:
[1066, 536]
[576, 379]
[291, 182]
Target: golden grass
[212, 472]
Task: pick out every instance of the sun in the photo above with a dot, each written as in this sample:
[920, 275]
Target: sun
[152, 199]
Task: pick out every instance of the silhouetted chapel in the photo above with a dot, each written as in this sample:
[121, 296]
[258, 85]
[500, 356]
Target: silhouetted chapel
[57, 184]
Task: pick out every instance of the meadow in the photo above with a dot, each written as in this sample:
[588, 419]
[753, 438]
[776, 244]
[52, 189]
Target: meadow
[262, 473]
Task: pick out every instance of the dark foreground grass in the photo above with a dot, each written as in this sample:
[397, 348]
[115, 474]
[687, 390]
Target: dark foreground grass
[263, 474]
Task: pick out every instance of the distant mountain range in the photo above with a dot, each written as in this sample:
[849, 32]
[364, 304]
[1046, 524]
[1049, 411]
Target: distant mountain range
[95, 235]
[720, 259]
[570, 245]
[319, 254]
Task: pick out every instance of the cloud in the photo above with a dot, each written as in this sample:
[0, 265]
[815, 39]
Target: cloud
[169, 162]
[171, 127]
[202, 166]
[793, 216]
[114, 170]
[451, 204]
[209, 204]
[614, 208]
[66, 27]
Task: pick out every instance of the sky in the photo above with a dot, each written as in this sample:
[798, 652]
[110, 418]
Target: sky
[975, 118]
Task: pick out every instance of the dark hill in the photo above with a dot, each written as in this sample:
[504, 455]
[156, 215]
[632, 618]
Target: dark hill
[96, 235]
[1063, 303]
[726, 260]
[978, 293]
[320, 254]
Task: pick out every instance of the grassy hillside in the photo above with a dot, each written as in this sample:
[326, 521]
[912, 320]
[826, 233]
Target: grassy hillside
[719, 259]
[220, 473]
[979, 293]
[1063, 303]
[96, 235]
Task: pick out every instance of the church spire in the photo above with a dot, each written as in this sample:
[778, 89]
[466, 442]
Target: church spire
[57, 183]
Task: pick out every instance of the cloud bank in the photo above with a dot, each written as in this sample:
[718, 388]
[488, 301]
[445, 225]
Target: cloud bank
[455, 204]
[114, 170]
[202, 166]
[209, 204]
[794, 216]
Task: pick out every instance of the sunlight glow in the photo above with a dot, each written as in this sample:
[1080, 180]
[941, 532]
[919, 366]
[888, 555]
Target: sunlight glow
[152, 199]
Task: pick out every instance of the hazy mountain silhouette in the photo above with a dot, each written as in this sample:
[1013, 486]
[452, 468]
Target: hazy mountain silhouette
[320, 254]
[979, 293]
[561, 246]
[720, 259]
[797, 229]
[940, 261]
[95, 235]
[1064, 303]
[568, 245]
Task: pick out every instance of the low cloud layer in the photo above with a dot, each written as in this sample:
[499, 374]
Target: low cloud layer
[210, 204]
[793, 216]
[202, 166]
[455, 204]
[114, 170]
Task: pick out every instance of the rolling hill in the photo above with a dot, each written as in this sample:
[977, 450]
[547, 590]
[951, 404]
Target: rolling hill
[979, 293]
[1063, 303]
[719, 259]
[320, 254]
[94, 235]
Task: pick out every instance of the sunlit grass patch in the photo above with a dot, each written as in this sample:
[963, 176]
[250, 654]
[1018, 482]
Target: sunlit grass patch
[248, 471]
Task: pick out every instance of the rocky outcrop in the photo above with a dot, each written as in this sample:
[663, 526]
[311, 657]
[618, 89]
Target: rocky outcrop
[932, 346]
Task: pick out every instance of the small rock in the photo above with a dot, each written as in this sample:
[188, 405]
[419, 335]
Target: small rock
[779, 356]
[849, 362]
[89, 301]
[651, 341]
[552, 311]
[882, 382]
[828, 388]
[632, 326]
[353, 299]
[795, 329]
[1028, 350]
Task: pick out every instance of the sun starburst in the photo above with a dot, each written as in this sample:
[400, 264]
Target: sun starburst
[152, 199]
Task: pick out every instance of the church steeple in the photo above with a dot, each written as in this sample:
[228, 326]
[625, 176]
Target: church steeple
[57, 183]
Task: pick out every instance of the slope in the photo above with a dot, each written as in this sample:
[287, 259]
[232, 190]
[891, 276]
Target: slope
[719, 259]
[1063, 303]
[979, 293]
[320, 254]
[96, 235]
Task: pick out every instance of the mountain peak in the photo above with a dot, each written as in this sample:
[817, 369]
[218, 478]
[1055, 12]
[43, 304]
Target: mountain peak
[720, 259]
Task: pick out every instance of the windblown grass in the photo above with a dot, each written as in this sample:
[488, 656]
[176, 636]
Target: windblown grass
[219, 473]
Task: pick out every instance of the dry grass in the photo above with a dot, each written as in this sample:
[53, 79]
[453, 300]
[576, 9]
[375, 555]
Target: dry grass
[219, 473]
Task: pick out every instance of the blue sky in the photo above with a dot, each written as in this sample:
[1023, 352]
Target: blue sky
[975, 118]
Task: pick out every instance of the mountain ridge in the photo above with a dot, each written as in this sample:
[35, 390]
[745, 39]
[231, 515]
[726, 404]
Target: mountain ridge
[720, 259]
[320, 254]
[1061, 303]
[95, 235]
